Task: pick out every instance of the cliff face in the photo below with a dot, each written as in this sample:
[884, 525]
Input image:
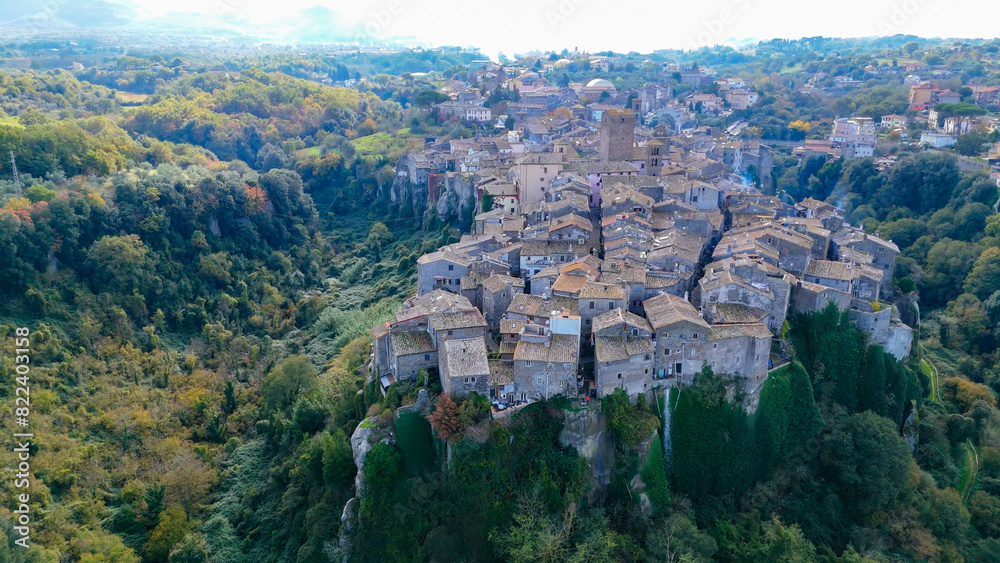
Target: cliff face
[450, 195]
[361, 444]
[457, 196]
[587, 431]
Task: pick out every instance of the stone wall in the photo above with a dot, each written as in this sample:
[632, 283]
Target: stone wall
[636, 374]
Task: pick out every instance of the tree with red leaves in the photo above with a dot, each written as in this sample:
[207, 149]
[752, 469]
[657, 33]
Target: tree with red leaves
[444, 419]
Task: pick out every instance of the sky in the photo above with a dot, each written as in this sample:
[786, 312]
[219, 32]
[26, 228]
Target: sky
[519, 26]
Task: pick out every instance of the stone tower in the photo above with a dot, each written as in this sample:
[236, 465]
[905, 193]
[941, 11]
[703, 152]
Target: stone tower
[617, 134]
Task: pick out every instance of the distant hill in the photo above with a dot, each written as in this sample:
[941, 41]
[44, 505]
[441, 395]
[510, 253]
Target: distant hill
[84, 14]
[315, 24]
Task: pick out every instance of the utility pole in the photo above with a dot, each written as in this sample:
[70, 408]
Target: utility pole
[17, 180]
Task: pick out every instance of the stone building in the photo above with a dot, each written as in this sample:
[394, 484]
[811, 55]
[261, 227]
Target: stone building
[623, 353]
[883, 252]
[596, 298]
[464, 367]
[741, 351]
[617, 134]
[679, 332]
[410, 352]
[726, 288]
[544, 369]
[495, 295]
[441, 270]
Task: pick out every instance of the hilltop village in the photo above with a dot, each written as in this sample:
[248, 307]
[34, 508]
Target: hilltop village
[608, 255]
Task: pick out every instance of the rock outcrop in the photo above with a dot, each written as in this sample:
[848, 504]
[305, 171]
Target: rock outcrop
[586, 430]
[421, 406]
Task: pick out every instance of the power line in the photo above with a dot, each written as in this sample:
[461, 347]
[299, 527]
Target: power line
[17, 180]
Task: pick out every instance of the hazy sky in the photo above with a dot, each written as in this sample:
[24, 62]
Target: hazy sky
[511, 26]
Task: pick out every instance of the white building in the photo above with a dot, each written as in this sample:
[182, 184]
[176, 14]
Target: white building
[937, 140]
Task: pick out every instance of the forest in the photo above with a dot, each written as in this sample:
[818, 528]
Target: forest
[200, 251]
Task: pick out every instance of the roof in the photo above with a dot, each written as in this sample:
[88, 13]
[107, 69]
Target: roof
[609, 167]
[848, 237]
[571, 220]
[623, 274]
[416, 342]
[496, 283]
[561, 348]
[598, 290]
[664, 282]
[727, 331]
[829, 269]
[435, 301]
[548, 272]
[569, 283]
[501, 372]
[665, 310]
[600, 83]
[715, 280]
[620, 316]
[739, 313]
[538, 306]
[617, 349]
[445, 255]
[508, 326]
[465, 357]
[457, 319]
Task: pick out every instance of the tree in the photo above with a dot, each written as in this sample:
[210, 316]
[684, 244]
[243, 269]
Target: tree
[190, 550]
[924, 182]
[295, 375]
[171, 528]
[427, 98]
[444, 419]
[119, 263]
[985, 511]
[487, 201]
[984, 279]
[799, 129]
[676, 538]
[38, 193]
[378, 236]
[868, 463]
[270, 156]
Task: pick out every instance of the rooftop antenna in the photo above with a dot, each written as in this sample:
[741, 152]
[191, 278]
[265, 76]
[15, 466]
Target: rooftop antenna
[17, 180]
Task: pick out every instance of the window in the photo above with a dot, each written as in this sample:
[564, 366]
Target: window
[715, 346]
[611, 305]
[427, 357]
[619, 376]
[646, 371]
[451, 267]
[695, 336]
[527, 364]
[451, 332]
[466, 379]
[591, 304]
[635, 332]
[677, 368]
